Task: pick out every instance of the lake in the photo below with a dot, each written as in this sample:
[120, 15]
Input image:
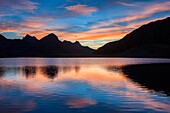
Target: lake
[84, 85]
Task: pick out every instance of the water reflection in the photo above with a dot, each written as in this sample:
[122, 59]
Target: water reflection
[50, 71]
[80, 103]
[66, 69]
[84, 88]
[151, 76]
[77, 69]
[1, 72]
[29, 71]
[10, 72]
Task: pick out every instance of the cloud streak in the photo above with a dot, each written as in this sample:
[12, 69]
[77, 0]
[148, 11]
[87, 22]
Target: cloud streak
[3, 14]
[126, 4]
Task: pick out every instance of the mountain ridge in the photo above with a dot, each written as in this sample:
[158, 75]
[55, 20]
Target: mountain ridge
[146, 37]
[48, 46]
[149, 40]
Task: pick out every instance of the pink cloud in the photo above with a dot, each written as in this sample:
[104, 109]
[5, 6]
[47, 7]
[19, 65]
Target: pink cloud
[126, 4]
[25, 5]
[10, 27]
[33, 23]
[81, 9]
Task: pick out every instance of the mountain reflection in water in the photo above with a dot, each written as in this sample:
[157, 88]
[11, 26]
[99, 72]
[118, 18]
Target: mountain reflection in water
[85, 86]
[151, 76]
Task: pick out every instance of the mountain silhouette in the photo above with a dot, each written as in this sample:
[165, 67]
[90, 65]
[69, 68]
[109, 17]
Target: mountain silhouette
[51, 38]
[151, 40]
[30, 39]
[48, 46]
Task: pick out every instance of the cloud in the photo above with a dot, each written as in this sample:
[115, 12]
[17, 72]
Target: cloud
[136, 15]
[126, 4]
[8, 27]
[22, 26]
[32, 24]
[35, 24]
[82, 9]
[4, 14]
[25, 5]
[98, 36]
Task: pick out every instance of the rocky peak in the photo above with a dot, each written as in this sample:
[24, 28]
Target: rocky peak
[30, 39]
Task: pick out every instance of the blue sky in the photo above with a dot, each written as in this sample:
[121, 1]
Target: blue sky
[92, 22]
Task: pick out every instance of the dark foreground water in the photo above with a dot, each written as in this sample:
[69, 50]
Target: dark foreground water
[104, 85]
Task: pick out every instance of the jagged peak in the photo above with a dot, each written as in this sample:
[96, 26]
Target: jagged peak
[27, 35]
[29, 38]
[77, 42]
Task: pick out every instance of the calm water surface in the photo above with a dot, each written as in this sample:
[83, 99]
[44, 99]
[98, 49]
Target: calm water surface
[84, 85]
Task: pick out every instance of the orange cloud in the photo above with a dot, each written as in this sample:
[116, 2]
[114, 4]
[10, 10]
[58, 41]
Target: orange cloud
[108, 35]
[6, 28]
[32, 23]
[81, 9]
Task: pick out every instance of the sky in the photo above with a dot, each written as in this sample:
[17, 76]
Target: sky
[92, 22]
